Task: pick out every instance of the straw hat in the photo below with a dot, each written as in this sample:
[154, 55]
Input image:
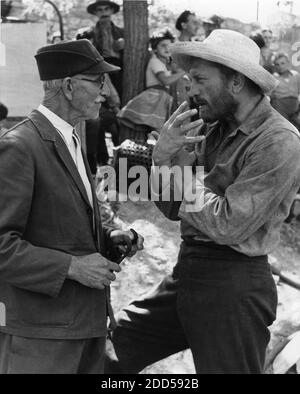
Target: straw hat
[230, 48]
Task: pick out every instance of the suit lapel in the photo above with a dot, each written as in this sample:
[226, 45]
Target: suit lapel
[68, 161]
[49, 133]
[98, 225]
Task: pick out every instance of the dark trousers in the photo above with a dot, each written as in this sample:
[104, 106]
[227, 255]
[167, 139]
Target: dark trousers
[20, 355]
[95, 144]
[116, 77]
[219, 303]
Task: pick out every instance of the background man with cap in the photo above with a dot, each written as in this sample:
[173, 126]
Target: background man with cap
[55, 257]
[108, 38]
[221, 297]
[187, 25]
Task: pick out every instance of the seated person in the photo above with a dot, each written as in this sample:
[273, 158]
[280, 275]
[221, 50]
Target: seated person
[285, 97]
[151, 108]
[97, 153]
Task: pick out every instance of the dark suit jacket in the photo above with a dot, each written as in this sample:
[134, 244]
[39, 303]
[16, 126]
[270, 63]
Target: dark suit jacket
[45, 218]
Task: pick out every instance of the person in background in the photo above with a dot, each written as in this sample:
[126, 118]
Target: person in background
[187, 25]
[285, 97]
[151, 108]
[56, 37]
[3, 115]
[108, 38]
[108, 118]
[97, 153]
[266, 52]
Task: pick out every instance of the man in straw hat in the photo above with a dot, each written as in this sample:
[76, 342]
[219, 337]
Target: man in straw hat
[55, 257]
[221, 297]
[107, 37]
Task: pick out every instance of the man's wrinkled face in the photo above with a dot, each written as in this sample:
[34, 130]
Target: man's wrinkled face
[90, 91]
[104, 13]
[210, 90]
[282, 65]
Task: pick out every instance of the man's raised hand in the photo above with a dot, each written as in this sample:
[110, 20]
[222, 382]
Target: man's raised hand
[173, 136]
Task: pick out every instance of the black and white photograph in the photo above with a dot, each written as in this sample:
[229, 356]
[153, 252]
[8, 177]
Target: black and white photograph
[149, 190]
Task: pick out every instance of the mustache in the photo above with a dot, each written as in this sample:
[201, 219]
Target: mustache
[198, 101]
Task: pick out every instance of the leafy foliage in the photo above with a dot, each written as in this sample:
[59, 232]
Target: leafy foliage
[75, 15]
[42, 8]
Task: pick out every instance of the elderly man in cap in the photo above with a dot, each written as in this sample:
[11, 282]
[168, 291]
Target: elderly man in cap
[56, 260]
[221, 297]
[107, 37]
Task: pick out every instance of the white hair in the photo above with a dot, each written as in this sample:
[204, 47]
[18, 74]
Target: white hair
[54, 84]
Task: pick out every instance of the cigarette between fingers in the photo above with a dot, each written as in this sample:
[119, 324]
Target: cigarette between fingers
[199, 138]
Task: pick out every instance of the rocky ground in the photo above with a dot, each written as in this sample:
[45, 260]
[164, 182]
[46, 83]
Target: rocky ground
[162, 241]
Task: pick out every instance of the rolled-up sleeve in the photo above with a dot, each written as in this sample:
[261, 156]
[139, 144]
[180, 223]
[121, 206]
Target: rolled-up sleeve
[270, 172]
[22, 264]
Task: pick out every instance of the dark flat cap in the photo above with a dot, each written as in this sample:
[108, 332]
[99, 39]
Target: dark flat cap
[69, 58]
[91, 8]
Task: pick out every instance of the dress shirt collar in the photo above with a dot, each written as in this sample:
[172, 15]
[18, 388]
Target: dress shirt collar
[258, 115]
[61, 125]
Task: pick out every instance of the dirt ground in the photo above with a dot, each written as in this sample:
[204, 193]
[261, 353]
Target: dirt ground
[162, 240]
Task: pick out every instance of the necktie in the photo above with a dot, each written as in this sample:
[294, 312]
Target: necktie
[81, 166]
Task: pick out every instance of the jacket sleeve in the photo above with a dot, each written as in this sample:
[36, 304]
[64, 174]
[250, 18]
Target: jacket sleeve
[165, 197]
[23, 264]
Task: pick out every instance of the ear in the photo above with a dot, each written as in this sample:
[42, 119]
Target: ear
[237, 83]
[67, 88]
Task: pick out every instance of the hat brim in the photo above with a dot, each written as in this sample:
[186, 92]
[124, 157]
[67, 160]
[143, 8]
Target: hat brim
[101, 67]
[91, 9]
[184, 55]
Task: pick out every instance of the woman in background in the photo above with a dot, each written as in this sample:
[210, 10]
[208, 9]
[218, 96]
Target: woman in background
[266, 52]
[150, 109]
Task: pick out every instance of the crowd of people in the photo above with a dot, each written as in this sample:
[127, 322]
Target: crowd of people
[286, 95]
[167, 86]
[57, 260]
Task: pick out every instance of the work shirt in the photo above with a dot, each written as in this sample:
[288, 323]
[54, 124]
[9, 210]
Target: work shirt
[289, 85]
[252, 177]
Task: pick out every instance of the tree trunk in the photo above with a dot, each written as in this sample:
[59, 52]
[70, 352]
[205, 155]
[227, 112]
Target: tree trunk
[136, 47]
